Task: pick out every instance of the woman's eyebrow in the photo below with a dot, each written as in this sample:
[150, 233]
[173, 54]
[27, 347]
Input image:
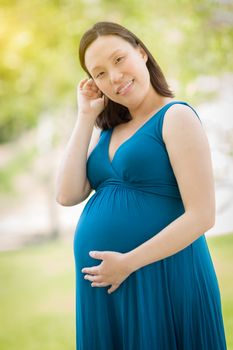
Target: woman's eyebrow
[112, 54]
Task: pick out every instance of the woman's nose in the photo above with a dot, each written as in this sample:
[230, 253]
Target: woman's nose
[116, 77]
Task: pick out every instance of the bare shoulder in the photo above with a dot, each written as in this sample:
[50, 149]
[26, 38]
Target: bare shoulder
[94, 139]
[93, 142]
[183, 133]
[96, 132]
[178, 119]
[189, 153]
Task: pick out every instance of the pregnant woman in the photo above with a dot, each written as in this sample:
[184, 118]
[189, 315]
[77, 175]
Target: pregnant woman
[145, 279]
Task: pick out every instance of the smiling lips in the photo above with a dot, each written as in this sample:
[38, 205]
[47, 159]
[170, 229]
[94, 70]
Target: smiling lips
[121, 89]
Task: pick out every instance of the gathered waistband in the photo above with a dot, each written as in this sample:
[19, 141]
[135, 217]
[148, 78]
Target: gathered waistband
[164, 189]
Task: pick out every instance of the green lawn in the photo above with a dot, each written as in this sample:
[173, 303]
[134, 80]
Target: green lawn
[37, 298]
[221, 249]
[37, 294]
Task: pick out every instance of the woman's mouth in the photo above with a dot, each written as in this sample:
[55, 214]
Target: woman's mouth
[126, 88]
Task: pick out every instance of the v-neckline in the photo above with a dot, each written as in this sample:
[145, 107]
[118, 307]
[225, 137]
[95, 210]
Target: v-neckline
[130, 137]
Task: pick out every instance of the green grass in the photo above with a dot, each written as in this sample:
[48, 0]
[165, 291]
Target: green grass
[37, 294]
[37, 298]
[221, 248]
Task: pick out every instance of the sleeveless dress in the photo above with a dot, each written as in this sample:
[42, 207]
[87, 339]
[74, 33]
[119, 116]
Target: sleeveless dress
[172, 304]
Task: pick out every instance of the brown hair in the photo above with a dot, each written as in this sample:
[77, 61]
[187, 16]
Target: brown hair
[115, 113]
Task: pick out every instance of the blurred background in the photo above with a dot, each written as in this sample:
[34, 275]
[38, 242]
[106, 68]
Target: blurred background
[39, 74]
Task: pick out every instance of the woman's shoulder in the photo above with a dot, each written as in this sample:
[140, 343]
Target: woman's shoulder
[181, 109]
[180, 116]
[95, 137]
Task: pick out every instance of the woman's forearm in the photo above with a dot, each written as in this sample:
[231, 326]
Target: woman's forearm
[71, 175]
[176, 236]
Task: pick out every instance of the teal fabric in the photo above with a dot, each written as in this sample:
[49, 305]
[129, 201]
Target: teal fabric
[172, 304]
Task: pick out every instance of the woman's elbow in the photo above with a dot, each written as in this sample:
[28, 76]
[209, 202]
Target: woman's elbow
[207, 219]
[201, 218]
[211, 220]
[67, 202]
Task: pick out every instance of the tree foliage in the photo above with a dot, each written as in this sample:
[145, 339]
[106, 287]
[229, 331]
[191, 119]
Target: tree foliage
[39, 48]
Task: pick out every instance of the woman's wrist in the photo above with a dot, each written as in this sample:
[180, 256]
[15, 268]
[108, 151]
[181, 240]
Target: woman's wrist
[130, 262]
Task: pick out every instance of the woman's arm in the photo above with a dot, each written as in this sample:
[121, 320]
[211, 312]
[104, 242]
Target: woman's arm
[72, 185]
[189, 153]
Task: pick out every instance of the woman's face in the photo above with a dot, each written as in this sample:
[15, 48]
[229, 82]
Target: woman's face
[114, 64]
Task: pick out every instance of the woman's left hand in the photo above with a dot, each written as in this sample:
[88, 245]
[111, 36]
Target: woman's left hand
[113, 270]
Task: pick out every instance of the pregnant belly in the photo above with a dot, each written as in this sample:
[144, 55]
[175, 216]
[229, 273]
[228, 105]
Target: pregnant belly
[120, 219]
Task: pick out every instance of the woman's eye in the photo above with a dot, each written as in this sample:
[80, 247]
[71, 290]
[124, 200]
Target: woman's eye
[99, 74]
[103, 72]
[118, 58]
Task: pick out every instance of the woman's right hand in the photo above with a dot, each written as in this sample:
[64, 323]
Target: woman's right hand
[91, 101]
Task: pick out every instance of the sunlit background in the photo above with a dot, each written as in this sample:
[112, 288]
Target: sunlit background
[39, 74]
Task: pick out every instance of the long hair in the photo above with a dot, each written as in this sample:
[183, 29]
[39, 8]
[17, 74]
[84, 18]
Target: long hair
[115, 113]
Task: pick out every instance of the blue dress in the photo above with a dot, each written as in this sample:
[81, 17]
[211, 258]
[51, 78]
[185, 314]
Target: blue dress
[172, 304]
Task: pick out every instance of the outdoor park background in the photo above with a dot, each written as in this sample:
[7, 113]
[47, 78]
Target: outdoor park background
[39, 73]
